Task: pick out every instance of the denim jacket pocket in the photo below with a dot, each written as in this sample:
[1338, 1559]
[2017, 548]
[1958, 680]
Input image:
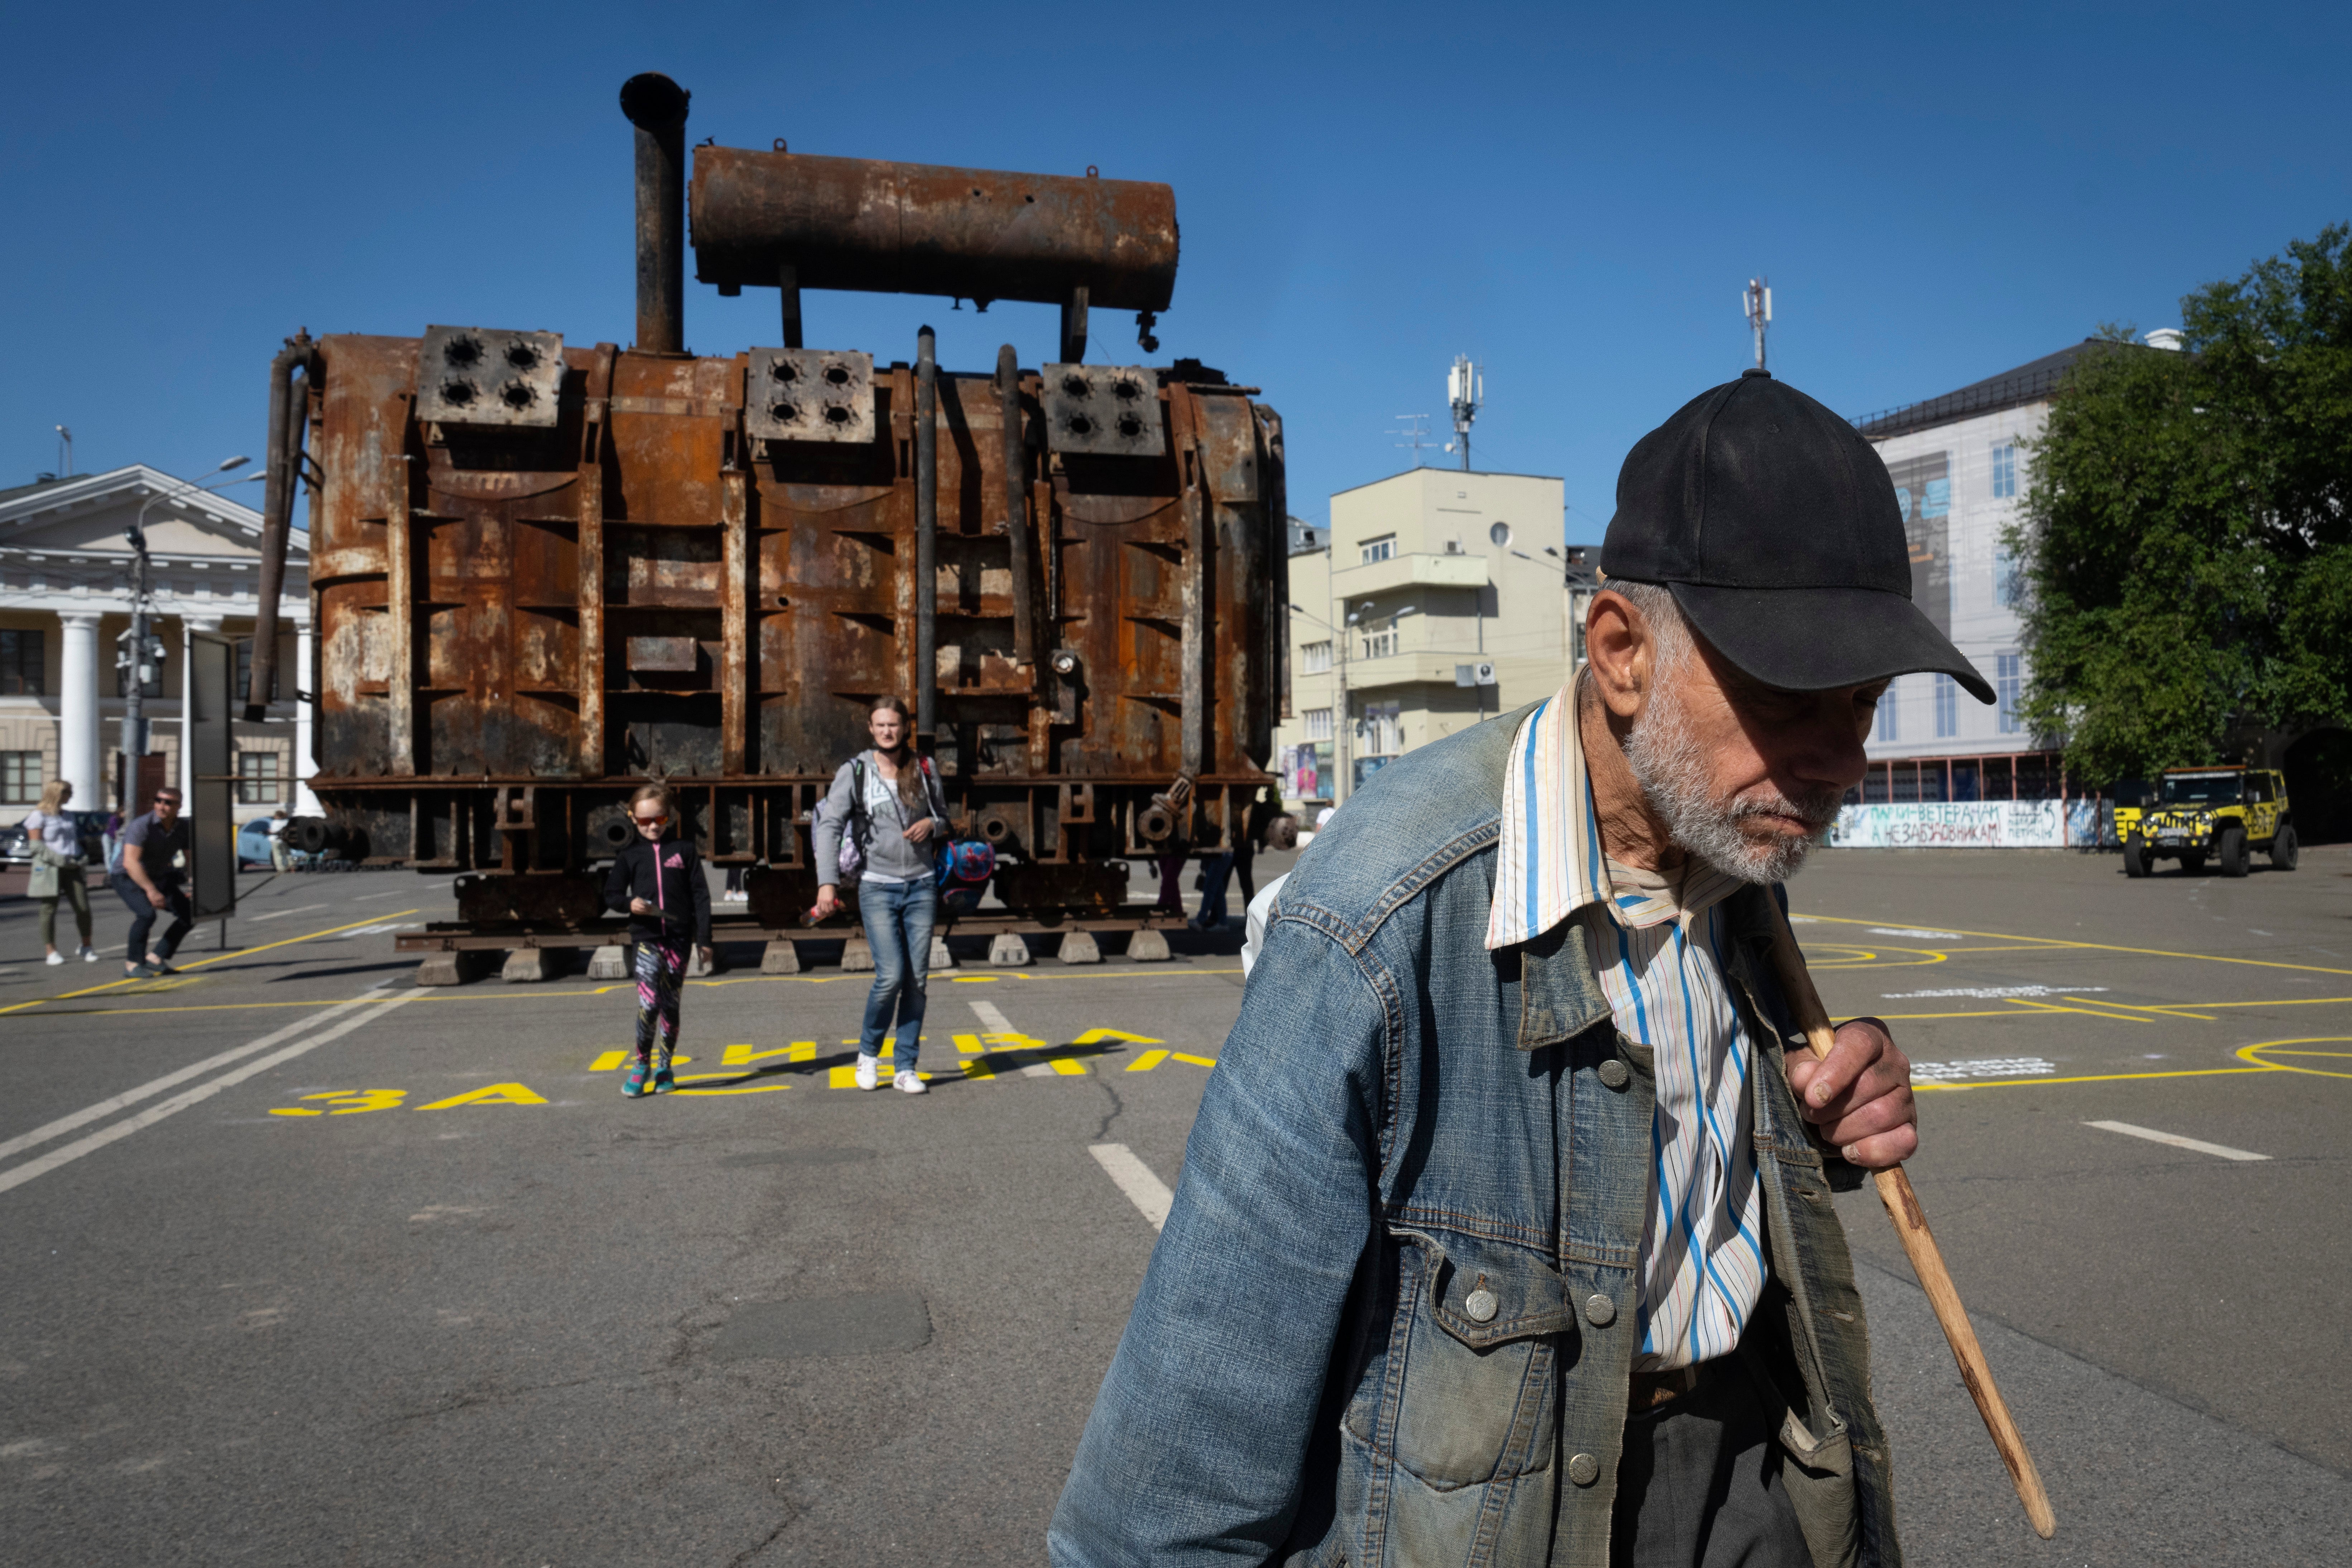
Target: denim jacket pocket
[1819, 1482]
[1481, 1337]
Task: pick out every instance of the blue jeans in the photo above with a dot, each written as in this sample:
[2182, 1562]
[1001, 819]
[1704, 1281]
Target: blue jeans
[897, 917]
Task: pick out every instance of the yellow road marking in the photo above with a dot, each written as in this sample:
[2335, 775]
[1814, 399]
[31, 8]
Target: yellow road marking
[2053, 941]
[199, 963]
[2095, 1077]
[2251, 1054]
[490, 1094]
[2027, 1002]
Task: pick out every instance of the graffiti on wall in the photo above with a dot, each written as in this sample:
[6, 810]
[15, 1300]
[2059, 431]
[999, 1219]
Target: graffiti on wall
[1967, 825]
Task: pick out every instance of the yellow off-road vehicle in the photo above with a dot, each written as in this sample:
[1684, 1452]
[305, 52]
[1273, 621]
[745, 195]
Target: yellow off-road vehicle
[2226, 813]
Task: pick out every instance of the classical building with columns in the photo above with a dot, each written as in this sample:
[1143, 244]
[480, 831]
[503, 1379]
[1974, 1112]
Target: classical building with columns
[65, 608]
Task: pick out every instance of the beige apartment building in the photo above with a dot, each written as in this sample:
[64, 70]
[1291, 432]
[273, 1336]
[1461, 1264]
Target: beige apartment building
[1436, 598]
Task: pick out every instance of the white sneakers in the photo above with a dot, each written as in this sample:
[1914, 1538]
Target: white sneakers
[56, 958]
[90, 956]
[869, 1076]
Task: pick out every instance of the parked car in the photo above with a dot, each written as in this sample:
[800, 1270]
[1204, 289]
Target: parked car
[253, 845]
[16, 845]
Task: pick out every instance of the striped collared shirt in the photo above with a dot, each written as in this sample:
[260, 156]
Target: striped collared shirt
[1657, 946]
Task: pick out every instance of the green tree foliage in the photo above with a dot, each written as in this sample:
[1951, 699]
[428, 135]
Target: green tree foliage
[2188, 530]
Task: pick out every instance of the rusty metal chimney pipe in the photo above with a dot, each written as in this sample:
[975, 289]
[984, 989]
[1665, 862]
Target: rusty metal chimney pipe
[1016, 503]
[927, 540]
[656, 107]
[282, 470]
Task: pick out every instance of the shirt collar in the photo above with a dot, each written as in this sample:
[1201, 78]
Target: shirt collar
[1550, 863]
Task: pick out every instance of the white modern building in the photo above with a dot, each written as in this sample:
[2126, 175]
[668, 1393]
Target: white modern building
[1436, 598]
[1960, 464]
[65, 610]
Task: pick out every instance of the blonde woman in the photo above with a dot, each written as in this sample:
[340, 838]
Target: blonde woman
[55, 844]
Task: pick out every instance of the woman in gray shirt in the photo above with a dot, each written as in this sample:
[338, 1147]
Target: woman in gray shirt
[889, 801]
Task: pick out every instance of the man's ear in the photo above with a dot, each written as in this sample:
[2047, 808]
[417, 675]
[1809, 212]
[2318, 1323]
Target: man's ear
[1617, 642]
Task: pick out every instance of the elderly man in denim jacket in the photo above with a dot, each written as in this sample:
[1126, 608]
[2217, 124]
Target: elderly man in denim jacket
[1505, 1232]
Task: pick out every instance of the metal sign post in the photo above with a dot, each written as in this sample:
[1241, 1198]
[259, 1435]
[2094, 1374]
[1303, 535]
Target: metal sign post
[209, 670]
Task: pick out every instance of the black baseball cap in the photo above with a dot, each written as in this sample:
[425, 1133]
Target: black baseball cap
[1775, 526]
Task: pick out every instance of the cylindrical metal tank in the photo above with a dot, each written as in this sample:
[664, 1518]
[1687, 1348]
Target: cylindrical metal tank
[917, 229]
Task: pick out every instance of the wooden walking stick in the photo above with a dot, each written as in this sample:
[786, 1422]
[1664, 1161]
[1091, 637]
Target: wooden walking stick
[1927, 1261]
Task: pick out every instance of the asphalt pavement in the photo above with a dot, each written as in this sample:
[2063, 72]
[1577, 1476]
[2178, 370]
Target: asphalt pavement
[307, 1265]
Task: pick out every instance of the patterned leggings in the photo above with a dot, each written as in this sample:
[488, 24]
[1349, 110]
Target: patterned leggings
[661, 970]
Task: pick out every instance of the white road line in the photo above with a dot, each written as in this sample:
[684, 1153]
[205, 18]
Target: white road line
[2175, 1140]
[129, 1097]
[202, 1092]
[281, 914]
[1144, 1190]
[988, 1013]
[363, 898]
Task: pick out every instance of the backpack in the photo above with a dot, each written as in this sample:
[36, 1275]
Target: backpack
[965, 865]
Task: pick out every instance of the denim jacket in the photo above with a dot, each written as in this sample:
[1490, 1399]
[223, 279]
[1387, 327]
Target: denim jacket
[1398, 1119]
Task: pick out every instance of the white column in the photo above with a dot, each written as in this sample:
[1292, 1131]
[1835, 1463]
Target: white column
[298, 681]
[188, 708]
[77, 697]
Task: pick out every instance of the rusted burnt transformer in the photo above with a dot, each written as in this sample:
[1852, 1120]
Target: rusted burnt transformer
[544, 573]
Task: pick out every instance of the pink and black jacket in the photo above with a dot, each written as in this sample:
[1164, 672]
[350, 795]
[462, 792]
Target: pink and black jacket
[669, 876]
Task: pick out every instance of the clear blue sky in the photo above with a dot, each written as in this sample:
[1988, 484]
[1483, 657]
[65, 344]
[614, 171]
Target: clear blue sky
[1572, 197]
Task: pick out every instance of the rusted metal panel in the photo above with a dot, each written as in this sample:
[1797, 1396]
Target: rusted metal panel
[920, 229]
[647, 590]
[1113, 410]
[465, 375]
[809, 394]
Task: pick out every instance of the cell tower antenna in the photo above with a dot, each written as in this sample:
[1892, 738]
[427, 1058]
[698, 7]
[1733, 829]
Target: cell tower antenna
[1416, 431]
[1755, 303]
[1465, 393]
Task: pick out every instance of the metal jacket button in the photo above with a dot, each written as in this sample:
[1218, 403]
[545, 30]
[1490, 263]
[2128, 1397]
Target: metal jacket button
[1480, 1304]
[1584, 1469]
[1613, 1073]
[1600, 1310]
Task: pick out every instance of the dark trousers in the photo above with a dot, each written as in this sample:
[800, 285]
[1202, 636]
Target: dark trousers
[142, 915]
[1699, 1483]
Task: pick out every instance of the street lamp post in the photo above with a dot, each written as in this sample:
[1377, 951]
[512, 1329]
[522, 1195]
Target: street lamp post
[144, 652]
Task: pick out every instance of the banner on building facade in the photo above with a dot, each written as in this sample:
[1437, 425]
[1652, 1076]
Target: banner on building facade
[1923, 490]
[1970, 825]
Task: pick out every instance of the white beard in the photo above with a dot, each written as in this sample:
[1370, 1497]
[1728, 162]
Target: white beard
[1671, 770]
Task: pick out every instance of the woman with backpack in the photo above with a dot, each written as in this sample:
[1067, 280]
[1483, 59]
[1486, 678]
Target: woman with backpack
[889, 801]
[659, 881]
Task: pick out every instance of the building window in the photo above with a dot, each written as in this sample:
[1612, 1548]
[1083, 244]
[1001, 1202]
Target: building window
[1383, 729]
[1318, 723]
[1890, 728]
[1379, 645]
[2008, 678]
[21, 778]
[258, 779]
[2005, 470]
[1381, 548]
[1501, 534]
[1314, 658]
[1947, 708]
[2005, 579]
[244, 673]
[21, 674]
